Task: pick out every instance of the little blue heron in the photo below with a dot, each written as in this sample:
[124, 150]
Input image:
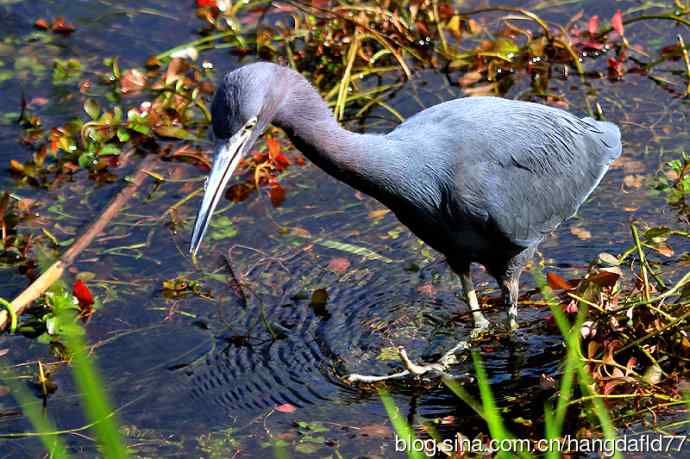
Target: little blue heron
[479, 179]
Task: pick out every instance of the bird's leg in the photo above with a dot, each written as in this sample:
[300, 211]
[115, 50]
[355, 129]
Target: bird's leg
[480, 322]
[441, 366]
[510, 288]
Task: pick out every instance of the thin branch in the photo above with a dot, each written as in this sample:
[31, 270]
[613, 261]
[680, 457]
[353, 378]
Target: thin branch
[55, 271]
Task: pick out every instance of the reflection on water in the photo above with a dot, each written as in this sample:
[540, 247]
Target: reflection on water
[186, 366]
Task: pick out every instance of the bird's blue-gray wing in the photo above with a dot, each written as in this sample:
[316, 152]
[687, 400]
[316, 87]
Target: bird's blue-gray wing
[517, 168]
[538, 167]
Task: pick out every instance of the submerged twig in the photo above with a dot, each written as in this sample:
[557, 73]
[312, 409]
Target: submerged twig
[235, 283]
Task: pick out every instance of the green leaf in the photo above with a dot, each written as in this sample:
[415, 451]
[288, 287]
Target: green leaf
[222, 229]
[140, 128]
[114, 65]
[65, 70]
[109, 150]
[71, 329]
[92, 108]
[117, 115]
[506, 48]
[312, 426]
[389, 353]
[174, 132]
[122, 135]
[656, 232]
[66, 242]
[86, 160]
[307, 448]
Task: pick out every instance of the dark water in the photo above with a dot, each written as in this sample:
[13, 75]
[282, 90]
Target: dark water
[195, 376]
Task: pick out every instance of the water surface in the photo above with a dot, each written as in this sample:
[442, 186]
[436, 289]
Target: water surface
[196, 375]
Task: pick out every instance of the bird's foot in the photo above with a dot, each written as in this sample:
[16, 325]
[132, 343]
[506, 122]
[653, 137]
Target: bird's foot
[510, 332]
[517, 338]
[481, 326]
[511, 325]
[438, 368]
[477, 332]
[485, 328]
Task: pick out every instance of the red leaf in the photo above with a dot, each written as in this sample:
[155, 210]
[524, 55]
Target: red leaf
[206, 3]
[273, 148]
[616, 67]
[422, 28]
[41, 24]
[60, 26]
[609, 386]
[557, 282]
[259, 157]
[617, 22]
[282, 160]
[632, 361]
[38, 102]
[339, 265]
[571, 308]
[132, 82]
[277, 193]
[593, 25]
[604, 278]
[83, 294]
[426, 289]
[55, 137]
[674, 50]
[238, 192]
[175, 70]
[286, 408]
[378, 430]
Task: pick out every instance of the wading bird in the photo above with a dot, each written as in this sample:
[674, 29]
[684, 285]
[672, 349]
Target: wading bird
[480, 179]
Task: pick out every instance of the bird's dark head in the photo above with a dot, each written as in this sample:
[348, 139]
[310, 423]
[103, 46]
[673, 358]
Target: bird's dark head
[253, 91]
[244, 105]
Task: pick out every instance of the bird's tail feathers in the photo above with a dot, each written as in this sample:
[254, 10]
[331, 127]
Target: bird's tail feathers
[608, 134]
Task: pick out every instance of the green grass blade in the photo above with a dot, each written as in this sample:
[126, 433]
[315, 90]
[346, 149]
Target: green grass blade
[43, 425]
[460, 391]
[492, 414]
[96, 404]
[94, 398]
[402, 428]
[572, 338]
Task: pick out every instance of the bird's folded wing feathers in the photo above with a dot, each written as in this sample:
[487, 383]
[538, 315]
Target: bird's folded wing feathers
[540, 168]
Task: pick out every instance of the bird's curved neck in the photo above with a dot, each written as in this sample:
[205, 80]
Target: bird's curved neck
[364, 161]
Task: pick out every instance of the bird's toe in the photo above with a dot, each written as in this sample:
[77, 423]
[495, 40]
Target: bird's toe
[517, 339]
[477, 332]
[481, 326]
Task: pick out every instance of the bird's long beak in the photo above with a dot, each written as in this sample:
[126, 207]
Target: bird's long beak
[227, 156]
